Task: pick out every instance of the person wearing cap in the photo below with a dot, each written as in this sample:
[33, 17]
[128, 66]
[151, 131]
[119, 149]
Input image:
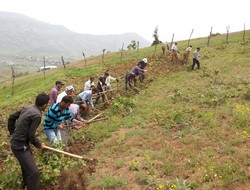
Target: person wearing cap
[89, 83]
[186, 54]
[54, 117]
[69, 91]
[196, 59]
[143, 63]
[130, 78]
[54, 92]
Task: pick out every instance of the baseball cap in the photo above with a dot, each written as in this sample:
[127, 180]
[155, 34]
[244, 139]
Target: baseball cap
[69, 88]
[59, 82]
[145, 60]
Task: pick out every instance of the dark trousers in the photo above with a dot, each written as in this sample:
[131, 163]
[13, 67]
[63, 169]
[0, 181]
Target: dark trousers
[195, 61]
[30, 173]
[129, 78]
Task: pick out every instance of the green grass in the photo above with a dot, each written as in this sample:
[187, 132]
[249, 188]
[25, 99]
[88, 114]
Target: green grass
[184, 130]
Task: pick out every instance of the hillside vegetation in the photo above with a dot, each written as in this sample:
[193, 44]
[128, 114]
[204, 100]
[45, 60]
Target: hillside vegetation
[183, 130]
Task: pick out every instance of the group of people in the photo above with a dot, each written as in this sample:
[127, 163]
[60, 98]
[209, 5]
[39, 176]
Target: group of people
[63, 114]
[174, 56]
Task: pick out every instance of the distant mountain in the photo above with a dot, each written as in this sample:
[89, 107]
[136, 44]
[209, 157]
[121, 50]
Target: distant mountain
[24, 36]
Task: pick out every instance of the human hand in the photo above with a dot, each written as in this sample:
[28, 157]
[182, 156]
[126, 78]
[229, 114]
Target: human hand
[43, 145]
[59, 127]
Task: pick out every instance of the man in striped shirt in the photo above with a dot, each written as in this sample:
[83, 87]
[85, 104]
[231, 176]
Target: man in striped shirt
[54, 117]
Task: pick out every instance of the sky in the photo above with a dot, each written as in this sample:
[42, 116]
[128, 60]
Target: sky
[101, 17]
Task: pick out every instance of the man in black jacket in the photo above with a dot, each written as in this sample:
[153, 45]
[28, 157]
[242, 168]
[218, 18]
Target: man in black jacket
[22, 133]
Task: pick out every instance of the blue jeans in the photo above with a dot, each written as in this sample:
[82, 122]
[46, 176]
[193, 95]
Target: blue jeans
[53, 135]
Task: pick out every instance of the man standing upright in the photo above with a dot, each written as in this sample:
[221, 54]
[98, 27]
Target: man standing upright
[196, 59]
[174, 51]
[54, 92]
[23, 132]
[89, 83]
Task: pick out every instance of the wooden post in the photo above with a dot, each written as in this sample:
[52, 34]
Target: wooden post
[13, 79]
[209, 37]
[227, 27]
[137, 48]
[63, 62]
[122, 51]
[103, 52]
[244, 33]
[44, 67]
[172, 41]
[84, 59]
[190, 37]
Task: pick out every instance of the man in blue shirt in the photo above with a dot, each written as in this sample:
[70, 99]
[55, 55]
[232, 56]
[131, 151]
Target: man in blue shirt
[54, 117]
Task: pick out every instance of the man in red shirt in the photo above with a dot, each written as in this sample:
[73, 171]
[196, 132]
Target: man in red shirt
[54, 92]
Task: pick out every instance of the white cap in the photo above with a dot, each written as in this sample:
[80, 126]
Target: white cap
[68, 88]
[145, 60]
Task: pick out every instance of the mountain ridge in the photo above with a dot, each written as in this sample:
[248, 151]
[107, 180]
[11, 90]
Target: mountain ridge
[23, 35]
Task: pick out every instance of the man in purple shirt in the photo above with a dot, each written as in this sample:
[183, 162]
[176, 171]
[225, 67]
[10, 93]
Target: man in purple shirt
[54, 92]
[130, 77]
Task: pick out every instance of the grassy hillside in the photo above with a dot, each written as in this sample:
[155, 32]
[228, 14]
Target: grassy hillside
[184, 130]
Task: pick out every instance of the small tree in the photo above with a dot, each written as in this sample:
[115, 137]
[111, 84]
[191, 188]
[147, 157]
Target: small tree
[132, 45]
[156, 37]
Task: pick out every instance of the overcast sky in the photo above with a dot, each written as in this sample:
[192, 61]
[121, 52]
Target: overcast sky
[100, 17]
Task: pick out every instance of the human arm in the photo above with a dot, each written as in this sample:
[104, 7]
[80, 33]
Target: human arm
[12, 121]
[32, 131]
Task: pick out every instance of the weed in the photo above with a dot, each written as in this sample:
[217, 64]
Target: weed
[112, 182]
[134, 165]
[119, 163]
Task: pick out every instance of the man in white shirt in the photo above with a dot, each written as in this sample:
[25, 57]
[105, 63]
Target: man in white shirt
[69, 91]
[89, 83]
[174, 51]
[196, 58]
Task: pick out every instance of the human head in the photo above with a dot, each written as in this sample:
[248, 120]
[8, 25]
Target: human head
[145, 60]
[91, 79]
[66, 101]
[198, 48]
[106, 74]
[69, 90]
[42, 100]
[59, 84]
[175, 43]
[93, 89]
[190, 46]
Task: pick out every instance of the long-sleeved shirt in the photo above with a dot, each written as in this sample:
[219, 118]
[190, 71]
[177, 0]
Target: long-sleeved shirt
[54, 117]
[28, 120]
[137, 70]
[101, 83]
[60, 96]
[87, 97]
[108, 79]
[88, 84]
[53, 95]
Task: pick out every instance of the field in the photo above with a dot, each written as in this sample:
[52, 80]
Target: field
[183, 130]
